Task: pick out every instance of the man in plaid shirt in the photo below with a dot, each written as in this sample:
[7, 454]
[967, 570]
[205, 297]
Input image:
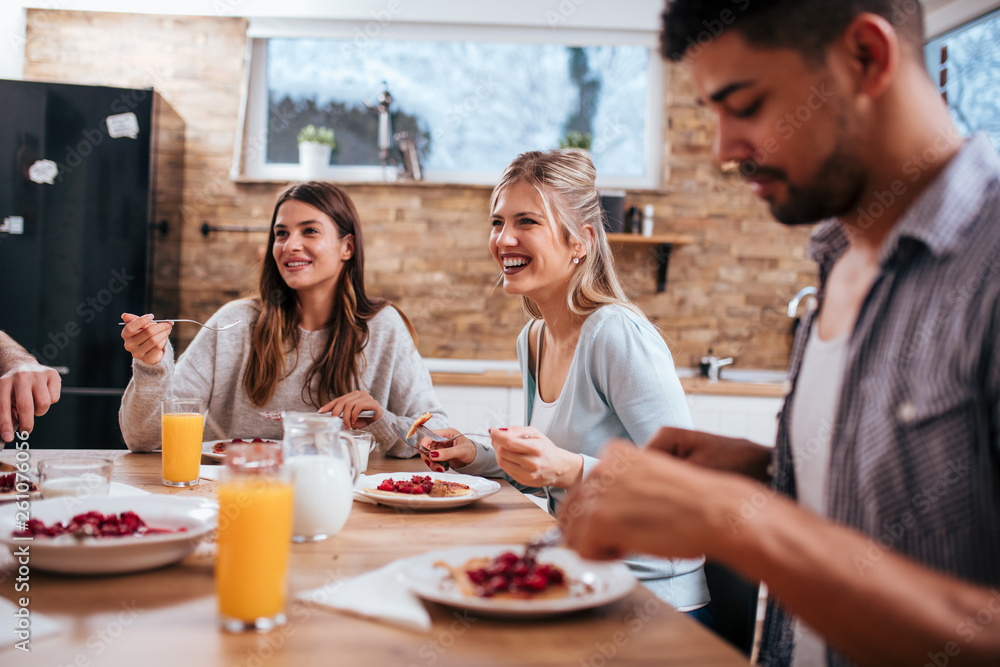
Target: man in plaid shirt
[880, 530]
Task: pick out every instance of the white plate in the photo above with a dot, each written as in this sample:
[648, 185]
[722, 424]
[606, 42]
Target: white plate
[9, 496]
[114, 555]
[592, 583]
[207, 447]
[481, 488]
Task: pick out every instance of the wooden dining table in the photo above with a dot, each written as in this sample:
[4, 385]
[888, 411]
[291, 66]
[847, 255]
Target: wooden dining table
[169, 615]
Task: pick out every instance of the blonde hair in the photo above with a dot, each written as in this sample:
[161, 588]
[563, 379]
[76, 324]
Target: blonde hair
[565, 179]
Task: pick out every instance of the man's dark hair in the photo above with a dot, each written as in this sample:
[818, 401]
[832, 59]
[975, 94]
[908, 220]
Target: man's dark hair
[806, 26]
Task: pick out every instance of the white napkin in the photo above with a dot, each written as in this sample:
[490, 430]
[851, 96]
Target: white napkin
[119, 490]
[361, 497]
[374, 595]
[211, 472]
[38, 625]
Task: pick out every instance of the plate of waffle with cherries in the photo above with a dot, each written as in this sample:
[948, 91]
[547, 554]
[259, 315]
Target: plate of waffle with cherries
[423, 492]
[497, 580]
[216, 449]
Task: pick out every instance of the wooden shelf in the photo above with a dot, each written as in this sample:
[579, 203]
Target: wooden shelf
[665, 244]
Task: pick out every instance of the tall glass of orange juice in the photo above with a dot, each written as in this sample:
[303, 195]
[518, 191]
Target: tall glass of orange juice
[182, 422]
[255, 537]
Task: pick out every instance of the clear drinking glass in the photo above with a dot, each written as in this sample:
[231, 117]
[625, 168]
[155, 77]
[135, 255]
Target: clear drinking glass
[323, 464]
[81, 476]
[183, 423]
[364, 444]
[255, 530]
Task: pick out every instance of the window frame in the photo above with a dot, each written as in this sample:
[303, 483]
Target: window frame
[250, 154]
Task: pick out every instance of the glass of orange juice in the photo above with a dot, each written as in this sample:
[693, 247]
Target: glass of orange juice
[182, 422]
[255, 537]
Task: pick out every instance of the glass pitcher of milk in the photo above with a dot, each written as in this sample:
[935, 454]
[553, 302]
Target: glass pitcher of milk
[323, 462]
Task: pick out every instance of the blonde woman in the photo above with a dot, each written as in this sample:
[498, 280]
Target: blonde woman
[594, 367]
[312, 340]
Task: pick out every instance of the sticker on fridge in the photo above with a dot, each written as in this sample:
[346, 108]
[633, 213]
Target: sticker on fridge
[123, 125]
[43, 171]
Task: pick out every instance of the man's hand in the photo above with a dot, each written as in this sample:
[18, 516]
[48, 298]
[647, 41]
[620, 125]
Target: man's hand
[26, 391]
[646, 501]
[714, 451]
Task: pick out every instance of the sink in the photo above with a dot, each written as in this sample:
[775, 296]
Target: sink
[749, 375]
[741, 375]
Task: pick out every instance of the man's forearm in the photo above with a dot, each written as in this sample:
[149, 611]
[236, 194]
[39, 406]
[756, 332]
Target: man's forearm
[12, 354]
[871, 604]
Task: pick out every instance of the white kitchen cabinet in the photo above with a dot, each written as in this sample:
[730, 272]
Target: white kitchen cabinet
[474, 409]
[751, 417]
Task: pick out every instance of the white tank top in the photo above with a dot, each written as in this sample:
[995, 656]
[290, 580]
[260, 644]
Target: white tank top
[542, 413]
[810, 428]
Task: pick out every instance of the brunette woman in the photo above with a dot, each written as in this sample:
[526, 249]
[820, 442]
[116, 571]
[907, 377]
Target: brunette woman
[311, 339]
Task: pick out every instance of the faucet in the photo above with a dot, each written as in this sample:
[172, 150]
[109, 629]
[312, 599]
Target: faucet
[712, 364]
[805, 292]
[384, 124]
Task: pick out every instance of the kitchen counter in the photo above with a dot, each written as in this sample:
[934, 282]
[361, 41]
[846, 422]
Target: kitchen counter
[483, 373]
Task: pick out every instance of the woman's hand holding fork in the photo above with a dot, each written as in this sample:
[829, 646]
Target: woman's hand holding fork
[459, 451]
[144, 339]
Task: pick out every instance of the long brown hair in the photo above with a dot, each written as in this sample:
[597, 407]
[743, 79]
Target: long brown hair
[275, 332]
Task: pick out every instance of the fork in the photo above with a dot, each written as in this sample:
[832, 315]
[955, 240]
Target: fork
[222, 328]
[549, 538]
[415, 444]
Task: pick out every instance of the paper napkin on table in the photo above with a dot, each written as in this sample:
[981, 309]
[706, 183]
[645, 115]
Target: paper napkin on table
[211, 472]
[38, 625]
[119, 490]
[361, 497]
[374, 595]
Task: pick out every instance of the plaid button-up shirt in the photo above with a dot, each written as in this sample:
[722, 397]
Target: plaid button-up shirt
[915, 453]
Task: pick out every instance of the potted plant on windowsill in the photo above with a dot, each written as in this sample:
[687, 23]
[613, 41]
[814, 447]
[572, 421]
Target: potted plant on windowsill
[315, 145]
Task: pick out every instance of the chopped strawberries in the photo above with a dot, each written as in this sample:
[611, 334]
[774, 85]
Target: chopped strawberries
[93, 524]
[220, 447]
[417, 485]
[512, 573]
[8, 483]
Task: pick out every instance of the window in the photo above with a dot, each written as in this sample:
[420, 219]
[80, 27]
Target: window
[472, 103]
[965, 63]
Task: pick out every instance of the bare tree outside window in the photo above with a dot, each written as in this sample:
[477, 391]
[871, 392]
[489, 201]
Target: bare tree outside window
[471, 105]
[970, 59]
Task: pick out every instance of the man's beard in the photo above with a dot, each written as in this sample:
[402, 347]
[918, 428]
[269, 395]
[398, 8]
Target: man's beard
[835, 189]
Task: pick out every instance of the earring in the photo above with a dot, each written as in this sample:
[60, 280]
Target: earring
[576, 260]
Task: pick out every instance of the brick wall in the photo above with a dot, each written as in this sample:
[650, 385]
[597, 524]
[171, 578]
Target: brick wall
[426, 246]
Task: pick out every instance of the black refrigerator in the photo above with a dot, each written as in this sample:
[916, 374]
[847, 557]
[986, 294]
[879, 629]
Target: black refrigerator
[75, 204]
